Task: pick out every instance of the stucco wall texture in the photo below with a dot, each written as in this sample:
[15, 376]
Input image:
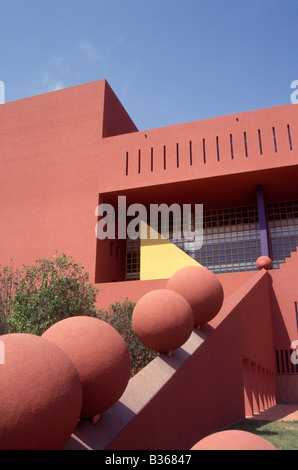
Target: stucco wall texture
[63, 153]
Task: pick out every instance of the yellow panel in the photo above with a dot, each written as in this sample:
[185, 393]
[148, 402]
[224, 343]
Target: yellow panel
[160, 258]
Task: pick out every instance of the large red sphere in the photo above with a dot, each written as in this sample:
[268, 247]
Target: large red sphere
[201, 288]
[100, 356]
[264, 262]
[162, 320]
[233, 440]
[41, 394]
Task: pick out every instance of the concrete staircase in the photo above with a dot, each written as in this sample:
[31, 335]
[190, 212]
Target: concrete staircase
[291, 261]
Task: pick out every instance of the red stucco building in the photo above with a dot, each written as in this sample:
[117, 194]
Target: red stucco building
[63, 153]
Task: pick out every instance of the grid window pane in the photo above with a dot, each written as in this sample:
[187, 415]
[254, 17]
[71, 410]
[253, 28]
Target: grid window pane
[283, 229]
[231, 242]
[132, 268]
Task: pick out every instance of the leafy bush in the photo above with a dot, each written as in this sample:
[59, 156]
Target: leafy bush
[119, 316]
[48, 291]
[9, 279]
[37, 296]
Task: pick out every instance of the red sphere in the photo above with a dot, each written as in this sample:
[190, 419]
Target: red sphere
[162, 320]
[233, 440]
[264, 262]
[201, 288]
[41, 394]
[100, 356]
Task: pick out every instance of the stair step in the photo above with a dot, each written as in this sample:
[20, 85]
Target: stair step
[290, 259]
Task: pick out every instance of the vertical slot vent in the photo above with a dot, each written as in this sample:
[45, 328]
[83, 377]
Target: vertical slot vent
[290, 138]
[296, 314]
[190, 153]
[204, 151]
[231, 145]
[292, 368]
[151, 158]
[274, 139]
[284, 361]
[245, 143]
[282, 364]
[177, 154]
[260, 142]
[126, 164]
[277, 362]
[287, 369]
[139, 162]
[164, 157]
[217, 148]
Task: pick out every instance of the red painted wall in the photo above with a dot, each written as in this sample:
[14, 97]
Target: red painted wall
[284, 295]
[63, 152]
[206, 393]
[163, 155]
[134, 290]
[50, 171]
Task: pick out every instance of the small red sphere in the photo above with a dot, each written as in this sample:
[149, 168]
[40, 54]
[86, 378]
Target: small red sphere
[100, 356]
[201, 288]
[41, 394]
[162, 320]
[264, 262]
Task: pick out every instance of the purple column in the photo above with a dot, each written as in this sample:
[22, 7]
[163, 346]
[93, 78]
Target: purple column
[263, 225]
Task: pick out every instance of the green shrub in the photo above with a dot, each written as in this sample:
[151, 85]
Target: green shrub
[37, 296]
[119, 316]
[48, 291]
[9, 280]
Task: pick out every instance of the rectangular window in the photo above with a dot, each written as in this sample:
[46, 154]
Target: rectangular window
[231, 241]
[132, 266]
[283, 230]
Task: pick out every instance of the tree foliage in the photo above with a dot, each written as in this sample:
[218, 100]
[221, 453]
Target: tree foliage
[119, 315]
[9, 279]
[45, 293]
[37, 296]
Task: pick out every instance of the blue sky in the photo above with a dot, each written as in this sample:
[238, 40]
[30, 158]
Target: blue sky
[168, 61]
